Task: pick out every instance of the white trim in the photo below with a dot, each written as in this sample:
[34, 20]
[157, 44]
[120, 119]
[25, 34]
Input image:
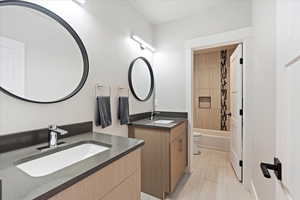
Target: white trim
[253, 191]
[221, 39]
[189, 88]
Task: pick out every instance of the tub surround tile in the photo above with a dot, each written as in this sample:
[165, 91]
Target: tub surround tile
[207, 82]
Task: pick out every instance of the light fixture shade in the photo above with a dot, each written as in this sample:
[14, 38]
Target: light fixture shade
[142, 43]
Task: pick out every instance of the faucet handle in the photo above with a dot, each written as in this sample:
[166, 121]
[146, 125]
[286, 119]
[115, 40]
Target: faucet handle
[62, 131]
[52, 127]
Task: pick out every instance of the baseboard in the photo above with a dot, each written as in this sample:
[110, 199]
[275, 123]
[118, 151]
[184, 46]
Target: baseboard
[253, 191]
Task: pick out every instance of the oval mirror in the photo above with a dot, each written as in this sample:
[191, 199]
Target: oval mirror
[141, 79]
[42, 59]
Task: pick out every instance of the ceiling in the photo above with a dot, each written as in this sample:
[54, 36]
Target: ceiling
[162, 11]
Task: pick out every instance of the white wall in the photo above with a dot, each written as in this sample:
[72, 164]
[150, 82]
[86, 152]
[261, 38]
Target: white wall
[104, 26]
[170, 39]
[263, 93]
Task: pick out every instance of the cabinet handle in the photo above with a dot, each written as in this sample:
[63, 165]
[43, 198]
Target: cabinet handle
[181, 145]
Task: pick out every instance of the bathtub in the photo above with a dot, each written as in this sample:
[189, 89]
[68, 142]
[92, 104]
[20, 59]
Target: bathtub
[211, 139]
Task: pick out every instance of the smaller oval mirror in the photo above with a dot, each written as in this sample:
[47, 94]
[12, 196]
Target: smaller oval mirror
[141, 79]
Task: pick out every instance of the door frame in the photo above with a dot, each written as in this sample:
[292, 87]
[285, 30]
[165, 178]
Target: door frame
[222, 39]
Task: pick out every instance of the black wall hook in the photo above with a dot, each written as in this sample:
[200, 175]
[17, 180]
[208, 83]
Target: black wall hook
[276, 167]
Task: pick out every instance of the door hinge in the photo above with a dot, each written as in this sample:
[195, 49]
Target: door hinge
[241, 112]
[241, 61]
[241, 163]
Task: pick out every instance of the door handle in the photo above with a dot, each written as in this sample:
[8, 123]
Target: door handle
[276, 167]
[228, 114]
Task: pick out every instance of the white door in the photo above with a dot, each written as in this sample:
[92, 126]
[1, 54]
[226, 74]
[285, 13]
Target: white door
[236, 106]
[288, 99]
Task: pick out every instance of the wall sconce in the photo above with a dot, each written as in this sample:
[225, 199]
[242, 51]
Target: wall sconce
[81, 2]
[142, 43]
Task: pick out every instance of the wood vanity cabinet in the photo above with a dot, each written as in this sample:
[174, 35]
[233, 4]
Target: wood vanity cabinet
[121, 180]
[164, 157]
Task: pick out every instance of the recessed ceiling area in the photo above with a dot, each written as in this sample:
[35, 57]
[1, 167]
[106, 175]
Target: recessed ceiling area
[162, 11]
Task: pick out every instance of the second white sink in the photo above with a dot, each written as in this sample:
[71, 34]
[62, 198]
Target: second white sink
[163, 121]
[51, 163]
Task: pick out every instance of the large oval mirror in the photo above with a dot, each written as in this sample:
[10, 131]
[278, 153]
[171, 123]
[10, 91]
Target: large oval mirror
[141, 79]
[42, 59]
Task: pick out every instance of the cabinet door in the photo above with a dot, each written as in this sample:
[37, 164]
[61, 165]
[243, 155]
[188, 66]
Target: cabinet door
[178, 158]
[154, 160]
[99, 184]
[128, 190]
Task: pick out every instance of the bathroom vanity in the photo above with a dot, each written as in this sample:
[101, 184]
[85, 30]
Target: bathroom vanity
[119, 180]
[113, 172]
[164, 155]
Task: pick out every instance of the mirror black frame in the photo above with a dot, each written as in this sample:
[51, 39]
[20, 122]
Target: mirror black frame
[130, 78]
[72, 33]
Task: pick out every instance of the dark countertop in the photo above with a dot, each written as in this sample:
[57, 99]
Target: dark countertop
[147, 123]
[17, 185]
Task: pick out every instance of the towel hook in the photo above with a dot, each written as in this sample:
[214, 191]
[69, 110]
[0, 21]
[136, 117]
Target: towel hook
[99, 86]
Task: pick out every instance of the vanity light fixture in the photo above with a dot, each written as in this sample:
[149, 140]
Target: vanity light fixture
[142, 43]
[81, 2]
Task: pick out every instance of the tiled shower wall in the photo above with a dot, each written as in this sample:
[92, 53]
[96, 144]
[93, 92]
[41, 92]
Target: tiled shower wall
[207, 87]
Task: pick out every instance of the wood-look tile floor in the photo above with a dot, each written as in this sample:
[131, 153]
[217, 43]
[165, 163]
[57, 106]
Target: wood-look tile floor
[212, 178]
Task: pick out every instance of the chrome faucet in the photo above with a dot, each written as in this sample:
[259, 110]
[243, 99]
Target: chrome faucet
[53, 131]
[153, 114]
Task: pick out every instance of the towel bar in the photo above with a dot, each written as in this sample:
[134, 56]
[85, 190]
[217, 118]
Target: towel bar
[99, 86]
[121, 88]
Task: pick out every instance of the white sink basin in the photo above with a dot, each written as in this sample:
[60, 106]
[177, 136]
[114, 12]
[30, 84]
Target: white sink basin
[51, 163]
[163, 121]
